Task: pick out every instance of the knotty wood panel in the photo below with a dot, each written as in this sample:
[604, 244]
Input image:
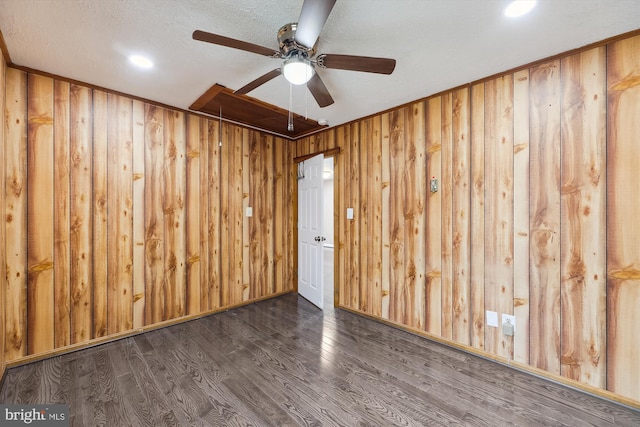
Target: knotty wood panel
[193, 216]
[245, 173]
[173, 206]
[100, 281]
[446, 213]
[61, 215]
[415, 214]
[461, 241]
[521, 241]
[477, 217]
[623, 211]
[138, 148]
[214, 198]
[40, 214]
[386, 229]
[119, 211]
[354, 175]
[154, 214]
[375, 207]
[236, 216]
[583, 241]
[15, 157]
[433, 291]
[545, 216]
[499, 209]
[364, 220]
[81, 240]
[343, 243]
[396, 217]
[3, 258]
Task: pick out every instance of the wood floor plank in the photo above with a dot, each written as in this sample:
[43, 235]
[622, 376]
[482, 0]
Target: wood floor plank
[284, 362]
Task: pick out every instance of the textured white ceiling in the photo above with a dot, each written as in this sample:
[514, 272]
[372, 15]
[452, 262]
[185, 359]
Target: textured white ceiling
[438, 44]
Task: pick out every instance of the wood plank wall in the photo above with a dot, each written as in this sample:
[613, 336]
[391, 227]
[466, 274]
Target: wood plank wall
[536, 215]
[120, 215]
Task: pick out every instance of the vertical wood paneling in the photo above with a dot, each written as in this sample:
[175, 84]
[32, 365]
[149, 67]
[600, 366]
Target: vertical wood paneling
[446, 213]
[100, 230]
[81, 214]
[173, 206]
[244, 176]
[364, 217]
[61, 215]
[202, 186]
[15, 220]
[119, 211]
[280, 165]
[385, 219]
[343, 242]
[256, 200]
[397, 291]
[499, 209]
[623, 211]
[154, 214]
[139, 181]
[353, 278]
[236, 217]
[477, 216]
[583, 241]
[461, 243]
[216, 210]
[434, 218]
[3, 257]
[40, 214]
[375, 206]
[226, 227]
[521, 215]
[545, 216]
[192, 216]
[415, 214]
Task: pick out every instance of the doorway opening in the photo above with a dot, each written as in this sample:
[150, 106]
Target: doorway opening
[328, 232]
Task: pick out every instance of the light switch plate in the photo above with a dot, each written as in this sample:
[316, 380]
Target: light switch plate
[349, 213]
[249, 211]
[492, 319]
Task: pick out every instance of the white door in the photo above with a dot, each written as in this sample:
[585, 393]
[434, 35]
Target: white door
[310, 237]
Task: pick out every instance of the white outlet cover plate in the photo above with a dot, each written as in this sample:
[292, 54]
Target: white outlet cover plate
[249, 211]
[492, 319]
[349, 213]
[511, 318]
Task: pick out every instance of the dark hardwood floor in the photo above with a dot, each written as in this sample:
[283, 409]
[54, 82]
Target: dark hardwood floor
[283, 362]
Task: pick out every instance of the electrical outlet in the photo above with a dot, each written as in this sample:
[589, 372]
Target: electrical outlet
[508, 325]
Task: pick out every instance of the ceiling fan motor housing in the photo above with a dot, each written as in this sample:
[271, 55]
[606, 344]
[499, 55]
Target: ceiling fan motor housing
[289, 46]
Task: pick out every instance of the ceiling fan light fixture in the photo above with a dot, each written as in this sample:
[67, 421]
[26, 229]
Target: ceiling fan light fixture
[297, 70]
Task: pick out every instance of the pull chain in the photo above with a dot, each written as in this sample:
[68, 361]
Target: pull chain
[290, 122]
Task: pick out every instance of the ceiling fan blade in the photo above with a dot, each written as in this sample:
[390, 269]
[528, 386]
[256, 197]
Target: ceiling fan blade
[357, 63]
[258, 82]
[319, 91]
[203, 36]
[313, 15]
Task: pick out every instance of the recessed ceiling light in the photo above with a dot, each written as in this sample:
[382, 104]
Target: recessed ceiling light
[141, 61]
[519, 7]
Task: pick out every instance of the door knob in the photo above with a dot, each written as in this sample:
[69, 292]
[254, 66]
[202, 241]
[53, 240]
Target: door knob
[317, 238]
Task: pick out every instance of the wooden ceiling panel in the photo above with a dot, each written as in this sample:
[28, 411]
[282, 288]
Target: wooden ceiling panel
[252, 112]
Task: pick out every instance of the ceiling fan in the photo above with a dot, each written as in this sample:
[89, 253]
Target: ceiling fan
[297, 46]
